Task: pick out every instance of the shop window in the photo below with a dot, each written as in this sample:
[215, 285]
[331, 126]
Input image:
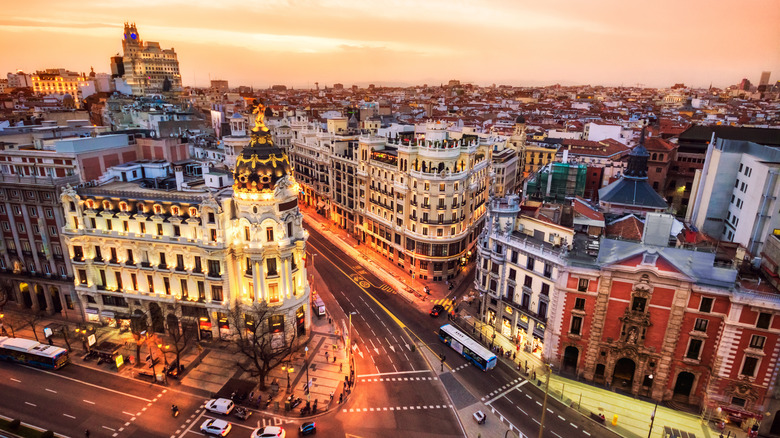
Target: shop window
[276, 323]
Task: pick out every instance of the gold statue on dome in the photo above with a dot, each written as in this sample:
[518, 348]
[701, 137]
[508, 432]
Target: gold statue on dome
[259, 117]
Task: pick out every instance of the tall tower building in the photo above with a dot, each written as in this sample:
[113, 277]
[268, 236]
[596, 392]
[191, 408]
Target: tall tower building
[764, 78]
[147, 68]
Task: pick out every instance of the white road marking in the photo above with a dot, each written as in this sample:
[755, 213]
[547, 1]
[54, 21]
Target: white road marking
[399, 372]
[106, 427]
[87, 401]
[127, 413]
[586, 432]
[30, 404]
[556, 434]
[93, 385]
[573, 425]
[561, 417]
[16, 380]
[69, 416]
[51, 390]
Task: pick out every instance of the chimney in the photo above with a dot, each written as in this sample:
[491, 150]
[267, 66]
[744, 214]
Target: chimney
[179, 172]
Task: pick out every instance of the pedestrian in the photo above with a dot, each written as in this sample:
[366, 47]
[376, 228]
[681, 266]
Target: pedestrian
[513, 356]
[341, 367]
[334, 358]
[346, 380]
[86, 433]
[330, 321]
[326, 356]
[341, 398]
[331, 396]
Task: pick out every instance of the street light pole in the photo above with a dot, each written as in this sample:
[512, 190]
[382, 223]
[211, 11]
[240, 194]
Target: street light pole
[306, 362]
[652, 420]
[544, 405]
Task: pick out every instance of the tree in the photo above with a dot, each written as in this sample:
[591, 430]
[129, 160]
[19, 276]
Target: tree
[261, 349]
[138, 325]
[181, 334]
[32, 319]
[6, 289]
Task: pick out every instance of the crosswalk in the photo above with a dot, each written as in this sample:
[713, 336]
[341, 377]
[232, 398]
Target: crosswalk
[397, 408]
[398, 379]
[446, 302]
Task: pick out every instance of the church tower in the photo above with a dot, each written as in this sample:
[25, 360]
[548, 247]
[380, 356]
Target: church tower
[267, 255]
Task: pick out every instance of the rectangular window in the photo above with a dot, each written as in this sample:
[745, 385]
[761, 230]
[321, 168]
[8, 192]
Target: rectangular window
[213, 235]
[512, 274]
[270, 267]
[118, 276]
[82, 276]
[579, 303]
[109, 225]
[216, 293]
[763, 320]
[530, 264]
[184, 291]
[163, 262]
[198, 267]
[542, 310]
[529, 281]
[494, 268]
[201, 291]
[269, 234]
[749, 366]
[273, 293]
[701, 325]
[125, 226]
[576, 325]
[142, 227]
[514, 257]
[582, 285]
[150, 283]
[214, 269]
[134, 281]
[757, 342]
[705, 305]
[159, 229]
[694, 348]
[545, 289]
[130, 258]
[176, 230]
[167, 284]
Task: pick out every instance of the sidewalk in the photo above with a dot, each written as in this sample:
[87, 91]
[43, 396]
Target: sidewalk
[210, 366]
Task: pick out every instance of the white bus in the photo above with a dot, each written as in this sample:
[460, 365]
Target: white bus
[467, 347]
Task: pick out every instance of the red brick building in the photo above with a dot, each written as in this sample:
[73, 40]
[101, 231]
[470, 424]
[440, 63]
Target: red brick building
[670, 324]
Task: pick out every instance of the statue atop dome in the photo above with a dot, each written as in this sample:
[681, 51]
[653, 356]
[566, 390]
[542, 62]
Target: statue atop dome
[261, 164]
[259, 117]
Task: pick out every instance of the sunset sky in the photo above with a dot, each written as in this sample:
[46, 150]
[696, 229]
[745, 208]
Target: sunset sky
[406, 42]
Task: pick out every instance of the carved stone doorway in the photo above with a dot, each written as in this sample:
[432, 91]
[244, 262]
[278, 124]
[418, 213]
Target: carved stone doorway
[623, 375]
[683, 386]
[570, 357]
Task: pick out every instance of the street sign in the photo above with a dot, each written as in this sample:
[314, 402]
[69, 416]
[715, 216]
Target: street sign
[47, 332]
[119, 360]
[91, 340]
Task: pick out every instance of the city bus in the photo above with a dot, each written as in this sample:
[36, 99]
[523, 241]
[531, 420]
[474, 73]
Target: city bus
[467, 347]
[34, 353]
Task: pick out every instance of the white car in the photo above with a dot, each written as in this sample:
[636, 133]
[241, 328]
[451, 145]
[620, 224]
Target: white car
[268, 432]
[215, 427]
[220, 406]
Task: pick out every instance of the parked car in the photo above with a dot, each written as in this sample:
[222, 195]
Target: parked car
[437, 310]
[215, 427]
[220, 406]
[268, 432]
[308, 428]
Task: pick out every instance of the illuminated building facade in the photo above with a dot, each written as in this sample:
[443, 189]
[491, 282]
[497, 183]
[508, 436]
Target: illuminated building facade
[58, 81]
[193, 254]
[417, 199]
[146, 67]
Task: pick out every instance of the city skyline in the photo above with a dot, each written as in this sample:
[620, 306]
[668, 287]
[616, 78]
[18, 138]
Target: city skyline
[298, 44]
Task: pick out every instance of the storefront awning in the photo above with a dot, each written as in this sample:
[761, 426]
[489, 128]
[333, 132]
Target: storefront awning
[107, 314]
[91, 310]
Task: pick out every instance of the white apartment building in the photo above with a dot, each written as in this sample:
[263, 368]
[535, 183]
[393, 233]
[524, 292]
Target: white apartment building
[737, 196]
[519, 258]
[418, 198]
[137, 247]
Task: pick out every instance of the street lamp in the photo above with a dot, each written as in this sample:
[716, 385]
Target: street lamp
[544, 405]
[289, 370]
[306, 362]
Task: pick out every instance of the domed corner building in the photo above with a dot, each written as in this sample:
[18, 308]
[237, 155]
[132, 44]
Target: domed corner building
[266, 252]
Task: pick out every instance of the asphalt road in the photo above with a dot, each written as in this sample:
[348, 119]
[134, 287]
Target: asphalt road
[383, 319]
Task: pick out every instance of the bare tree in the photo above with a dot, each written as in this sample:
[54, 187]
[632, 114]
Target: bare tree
[32, 319]
[138, 324]
[261, 349]
[6, 289]
[181, 333]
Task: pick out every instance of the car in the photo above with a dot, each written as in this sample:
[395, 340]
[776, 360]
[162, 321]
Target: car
[215, 427]
[437, 310]
[308, 428]
[220, 406]
[268, 432]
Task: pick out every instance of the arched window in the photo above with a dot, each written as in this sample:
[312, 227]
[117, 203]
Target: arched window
[175, 210]
[90, 203]
[193, 212]
[140, 207]
[123, 206]
[158, 209]
[106, 205]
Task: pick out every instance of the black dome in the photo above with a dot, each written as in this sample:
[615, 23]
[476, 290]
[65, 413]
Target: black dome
[261, 164]
[520, 120]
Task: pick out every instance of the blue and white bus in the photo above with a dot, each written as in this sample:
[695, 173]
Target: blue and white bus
[467, 347]
[34, 353]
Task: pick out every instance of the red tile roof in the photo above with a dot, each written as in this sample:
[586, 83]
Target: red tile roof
[658, 144]
[628, 227]
[582, 208]
[604, 148]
